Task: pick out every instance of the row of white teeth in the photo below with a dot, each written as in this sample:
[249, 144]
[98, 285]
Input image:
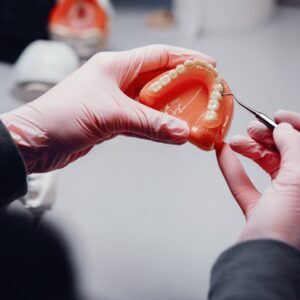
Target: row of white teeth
[216, 94]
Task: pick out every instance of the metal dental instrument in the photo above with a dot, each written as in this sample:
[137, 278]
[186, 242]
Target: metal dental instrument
[259, 116]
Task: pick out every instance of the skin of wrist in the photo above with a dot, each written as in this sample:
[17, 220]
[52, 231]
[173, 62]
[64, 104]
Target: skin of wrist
[288, 236]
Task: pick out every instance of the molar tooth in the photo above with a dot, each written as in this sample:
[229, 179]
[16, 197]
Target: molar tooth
[180, 69]
[219, 87]
[210, 67]
[188, 63]
[150, 88]
[215, 70]
[173, 74]
[165, 80]
[156, 86]
[219, 79]
[213, 105]
[210, 116]
[216, 95]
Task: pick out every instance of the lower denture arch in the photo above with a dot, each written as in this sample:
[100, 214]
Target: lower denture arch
[212, 116]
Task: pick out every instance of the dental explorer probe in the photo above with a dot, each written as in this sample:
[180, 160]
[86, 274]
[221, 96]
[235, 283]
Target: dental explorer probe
[259, 116]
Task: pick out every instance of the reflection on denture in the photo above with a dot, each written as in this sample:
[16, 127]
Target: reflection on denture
[177, 107]
[216, 93]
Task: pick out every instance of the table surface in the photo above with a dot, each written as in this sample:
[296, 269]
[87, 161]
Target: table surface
[144, 220]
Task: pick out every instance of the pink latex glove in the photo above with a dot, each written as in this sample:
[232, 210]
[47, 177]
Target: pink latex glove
[95, 104]
[274, 214]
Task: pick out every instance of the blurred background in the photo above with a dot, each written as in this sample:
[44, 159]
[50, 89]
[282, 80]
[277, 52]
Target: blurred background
[142, 220]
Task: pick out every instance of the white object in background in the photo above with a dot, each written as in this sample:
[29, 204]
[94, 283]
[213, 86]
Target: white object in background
[41, 193]
[42, 65]
[108, 7]
[189, 16]
[224, 16]
[221, 16]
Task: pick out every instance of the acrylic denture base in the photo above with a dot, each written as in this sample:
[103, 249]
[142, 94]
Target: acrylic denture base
[193, 91]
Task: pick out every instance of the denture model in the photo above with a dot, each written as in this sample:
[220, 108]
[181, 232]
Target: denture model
[81, 23]
[193, 92]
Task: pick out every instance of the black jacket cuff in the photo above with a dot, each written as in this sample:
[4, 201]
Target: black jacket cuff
[260, 270]
[13, 182]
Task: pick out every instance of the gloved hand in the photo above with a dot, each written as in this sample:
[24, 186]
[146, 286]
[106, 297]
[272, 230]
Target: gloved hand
[274, 214]
[95, 104]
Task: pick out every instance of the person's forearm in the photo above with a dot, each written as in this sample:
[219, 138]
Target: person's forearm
[260, 270]
[12, 169]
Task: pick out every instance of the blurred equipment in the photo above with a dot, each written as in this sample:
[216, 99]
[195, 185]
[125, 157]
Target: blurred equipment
[41, 194]
[162, 18]
[42, 65]
[219, 16]
[83, 24]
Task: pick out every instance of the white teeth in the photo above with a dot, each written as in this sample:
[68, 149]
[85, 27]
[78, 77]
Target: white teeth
[215, 70]
[219, 87]
[210, 67]
[188, 63]
[198, 62]
[156, 87]
[213, 105]
[173, 74]
[216, 95]
[219, 79]
[180, 69]
[210, 116]
[165, 80]
[151, 87]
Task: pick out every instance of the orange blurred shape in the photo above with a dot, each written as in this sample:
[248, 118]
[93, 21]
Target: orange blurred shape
[83, 24]
[79, 15]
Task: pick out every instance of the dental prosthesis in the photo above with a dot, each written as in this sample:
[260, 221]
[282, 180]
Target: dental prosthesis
[83, 24]
[193, 92]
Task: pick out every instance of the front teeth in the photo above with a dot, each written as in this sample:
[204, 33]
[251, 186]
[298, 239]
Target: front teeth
[210, 115]
[173, 74]
[188, 63]
[216, 94]
[165, 80]
[213, 105]
[199, 62]
[180, 69]
[155, 87]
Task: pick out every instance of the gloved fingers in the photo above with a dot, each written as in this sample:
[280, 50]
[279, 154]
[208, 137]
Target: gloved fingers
[291, 117]
[143, 137]
[125, 67]
[142, 121]
[287, 140]
[267, 158]
[134, 88]
[260, 133]
[240, 185]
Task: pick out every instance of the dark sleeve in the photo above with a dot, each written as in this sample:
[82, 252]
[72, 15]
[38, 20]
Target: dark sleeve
[257, 270]
[12, 169]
